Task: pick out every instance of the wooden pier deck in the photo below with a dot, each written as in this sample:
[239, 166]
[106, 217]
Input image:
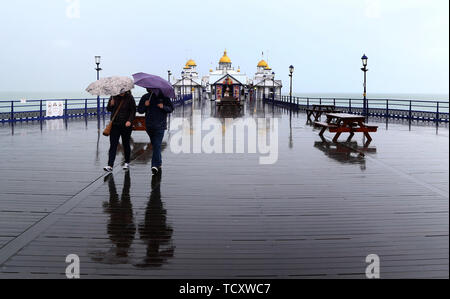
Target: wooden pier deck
[317, 213]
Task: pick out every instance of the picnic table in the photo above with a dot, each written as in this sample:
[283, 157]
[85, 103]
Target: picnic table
[318, 110]
[346, 123]
[229, 102]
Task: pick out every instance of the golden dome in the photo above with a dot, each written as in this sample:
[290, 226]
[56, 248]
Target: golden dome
[210, 70]
[263, 63]
[267, 68]
[225, 58]
[191, 63]
[187, 67]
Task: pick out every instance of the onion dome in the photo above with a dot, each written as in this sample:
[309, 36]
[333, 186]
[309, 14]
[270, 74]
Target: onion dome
[191, 63]
[263, 64]
[225, 58]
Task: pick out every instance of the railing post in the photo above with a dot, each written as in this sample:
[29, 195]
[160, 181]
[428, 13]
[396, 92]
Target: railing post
[66, 112]
[320, 101]
[350, 105]
[334, 102]
[12, 111]
[437, 113]
[410, 110]
[40, 110]
[85, 107]
[103, 106]
[307, 103]
[387, 108]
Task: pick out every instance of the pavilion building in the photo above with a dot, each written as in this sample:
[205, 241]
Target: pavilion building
[264, 82]
[225, 80]
[190, 82]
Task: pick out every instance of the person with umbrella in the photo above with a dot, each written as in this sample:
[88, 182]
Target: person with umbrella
[156, 105]
[123, 108]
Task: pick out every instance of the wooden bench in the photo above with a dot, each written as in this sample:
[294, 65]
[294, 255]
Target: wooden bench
[318, 110]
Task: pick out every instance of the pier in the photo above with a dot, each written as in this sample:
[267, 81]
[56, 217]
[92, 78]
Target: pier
[316, 213]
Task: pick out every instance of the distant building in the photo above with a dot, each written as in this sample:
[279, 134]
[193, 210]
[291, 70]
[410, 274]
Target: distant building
[264, 82]
[189, 83]
[226, 81]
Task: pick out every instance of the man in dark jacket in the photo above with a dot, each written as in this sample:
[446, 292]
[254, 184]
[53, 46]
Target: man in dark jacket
[156, 108]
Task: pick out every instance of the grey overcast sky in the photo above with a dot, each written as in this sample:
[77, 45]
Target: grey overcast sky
[49, 45]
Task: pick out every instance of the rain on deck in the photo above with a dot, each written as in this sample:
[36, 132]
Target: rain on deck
[317, 213]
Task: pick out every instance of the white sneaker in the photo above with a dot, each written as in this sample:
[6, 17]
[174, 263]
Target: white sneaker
[126, 166]
[108, 168]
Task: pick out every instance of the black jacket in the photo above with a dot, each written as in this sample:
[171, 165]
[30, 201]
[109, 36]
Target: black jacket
[127, 110]
[155, 117]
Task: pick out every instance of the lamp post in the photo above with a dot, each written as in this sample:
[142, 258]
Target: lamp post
[190, 87]
[273, 87]
[169, 74]
[264, 90]
[182, 86]
[291, 73]
[98, 69]
[365, 70]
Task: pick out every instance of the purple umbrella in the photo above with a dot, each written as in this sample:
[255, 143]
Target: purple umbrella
[155, 83]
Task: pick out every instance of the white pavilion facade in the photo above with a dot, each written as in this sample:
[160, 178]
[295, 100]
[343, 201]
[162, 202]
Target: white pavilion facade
[227, 81]
[264, 82]
[190, 82]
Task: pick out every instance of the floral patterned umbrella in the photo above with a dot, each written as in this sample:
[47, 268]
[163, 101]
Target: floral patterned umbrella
[111, 86]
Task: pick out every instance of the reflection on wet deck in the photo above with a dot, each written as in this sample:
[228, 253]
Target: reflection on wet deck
[318, 212]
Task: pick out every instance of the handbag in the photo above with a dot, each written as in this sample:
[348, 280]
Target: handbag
[108, 128]
[139, 122]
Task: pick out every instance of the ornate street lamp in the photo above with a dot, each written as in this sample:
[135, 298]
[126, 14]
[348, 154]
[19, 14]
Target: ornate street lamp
[98, 69]
[291, 73]
[190, 86]
[273, 87]
[365, 70]
[182, 86]
[264, 90]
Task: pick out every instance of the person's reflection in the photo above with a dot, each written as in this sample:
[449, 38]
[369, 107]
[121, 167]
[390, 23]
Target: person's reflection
[154, 231]
[121, 227]
[142, 152]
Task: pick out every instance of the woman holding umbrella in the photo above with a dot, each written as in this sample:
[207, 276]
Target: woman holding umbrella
[124, 107]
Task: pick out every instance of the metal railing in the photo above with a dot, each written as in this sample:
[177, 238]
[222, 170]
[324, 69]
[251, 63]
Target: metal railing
[36, 110]
[418, 110]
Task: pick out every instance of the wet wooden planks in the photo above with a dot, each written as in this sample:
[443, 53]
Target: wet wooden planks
[226, 216]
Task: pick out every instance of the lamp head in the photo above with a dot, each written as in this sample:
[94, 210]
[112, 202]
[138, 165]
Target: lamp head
[364, 60]
[291, 69]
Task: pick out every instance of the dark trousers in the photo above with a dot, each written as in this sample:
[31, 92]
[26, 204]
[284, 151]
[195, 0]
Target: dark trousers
[118, 131]
[156, 138]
